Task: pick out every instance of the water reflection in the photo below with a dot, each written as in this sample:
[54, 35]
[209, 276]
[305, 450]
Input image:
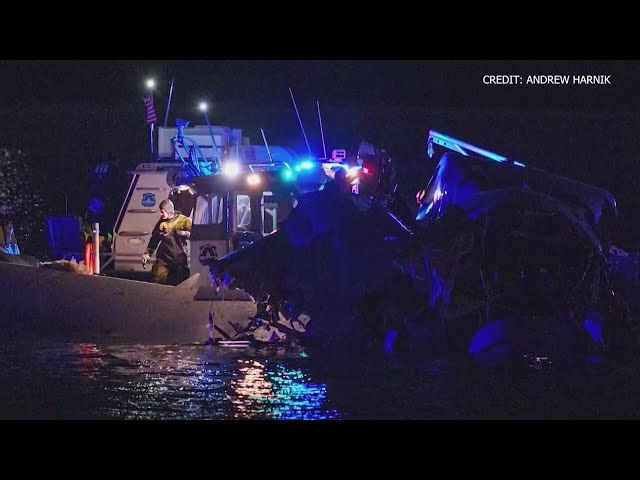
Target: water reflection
[92, 381]
[181, 382]
[277, 392]
[90, 358]
[167, 382]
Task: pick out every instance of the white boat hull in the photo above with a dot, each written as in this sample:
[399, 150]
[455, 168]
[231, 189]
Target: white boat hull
[48, 303]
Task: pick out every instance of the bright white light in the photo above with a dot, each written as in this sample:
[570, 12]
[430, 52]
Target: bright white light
[437, 195]
[203, 106]
[353, 171]
[253, 179]
[151, 83]
[231, 169]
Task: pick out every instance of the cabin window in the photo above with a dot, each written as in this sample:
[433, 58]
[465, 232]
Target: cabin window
[208, 210]
[183, 200]
[269, 213]
[244, 211]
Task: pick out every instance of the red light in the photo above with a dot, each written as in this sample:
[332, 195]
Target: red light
[365, 170]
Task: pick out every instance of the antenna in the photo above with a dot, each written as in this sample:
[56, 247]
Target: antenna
[324, 148]
[300, 121]
[166, 113]
[266, 145]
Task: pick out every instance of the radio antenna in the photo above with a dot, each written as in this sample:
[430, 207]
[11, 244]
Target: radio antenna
[324, 148]
[266, 145]
[300, 121]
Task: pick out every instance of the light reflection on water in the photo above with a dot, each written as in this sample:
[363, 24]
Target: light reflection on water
[185, 382]
[160, 382]
[276, 392]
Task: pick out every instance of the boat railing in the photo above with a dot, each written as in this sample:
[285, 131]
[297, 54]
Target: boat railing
[194, 161]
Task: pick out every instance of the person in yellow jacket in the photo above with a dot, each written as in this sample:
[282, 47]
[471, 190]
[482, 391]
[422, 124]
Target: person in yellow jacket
[169, 241]
[8, 239]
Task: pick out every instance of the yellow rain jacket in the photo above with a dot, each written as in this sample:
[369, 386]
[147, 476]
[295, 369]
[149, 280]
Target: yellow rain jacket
[166, 239]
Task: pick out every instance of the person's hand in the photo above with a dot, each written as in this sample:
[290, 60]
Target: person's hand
[183, 233]
[145, 258]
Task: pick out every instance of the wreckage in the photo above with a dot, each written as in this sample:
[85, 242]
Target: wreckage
[500, 258]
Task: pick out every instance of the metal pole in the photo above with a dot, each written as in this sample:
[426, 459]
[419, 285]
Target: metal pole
[213, 139]
[266, 145]
[324, 148]
[151, 138]
[166, 113]
[96, 248]
[152, 123]
[299, 120]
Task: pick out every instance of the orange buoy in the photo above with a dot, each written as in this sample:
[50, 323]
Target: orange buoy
[89, 257]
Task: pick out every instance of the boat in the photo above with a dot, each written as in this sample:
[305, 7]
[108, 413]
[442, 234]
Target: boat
[46, 303]
[233, 191]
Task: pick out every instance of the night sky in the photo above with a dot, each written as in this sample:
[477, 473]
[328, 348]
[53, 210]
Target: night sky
[428, 83]
[77, 112]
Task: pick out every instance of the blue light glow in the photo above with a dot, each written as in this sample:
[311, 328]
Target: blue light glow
[389, 340]
[288, 175]
[489, 336]
[593, 324]
[424, 211]
[462, 147]
[306, 165]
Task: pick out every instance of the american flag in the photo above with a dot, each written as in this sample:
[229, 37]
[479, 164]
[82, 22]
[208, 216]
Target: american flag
[151, 112]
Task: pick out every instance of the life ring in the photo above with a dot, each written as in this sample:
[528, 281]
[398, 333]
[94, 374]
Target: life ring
[89, 257]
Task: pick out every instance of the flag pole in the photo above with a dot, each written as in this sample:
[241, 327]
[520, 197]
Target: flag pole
[151, 138]
[150, 84]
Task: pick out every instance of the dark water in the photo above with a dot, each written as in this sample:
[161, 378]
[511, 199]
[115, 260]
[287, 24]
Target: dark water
[88, 381]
